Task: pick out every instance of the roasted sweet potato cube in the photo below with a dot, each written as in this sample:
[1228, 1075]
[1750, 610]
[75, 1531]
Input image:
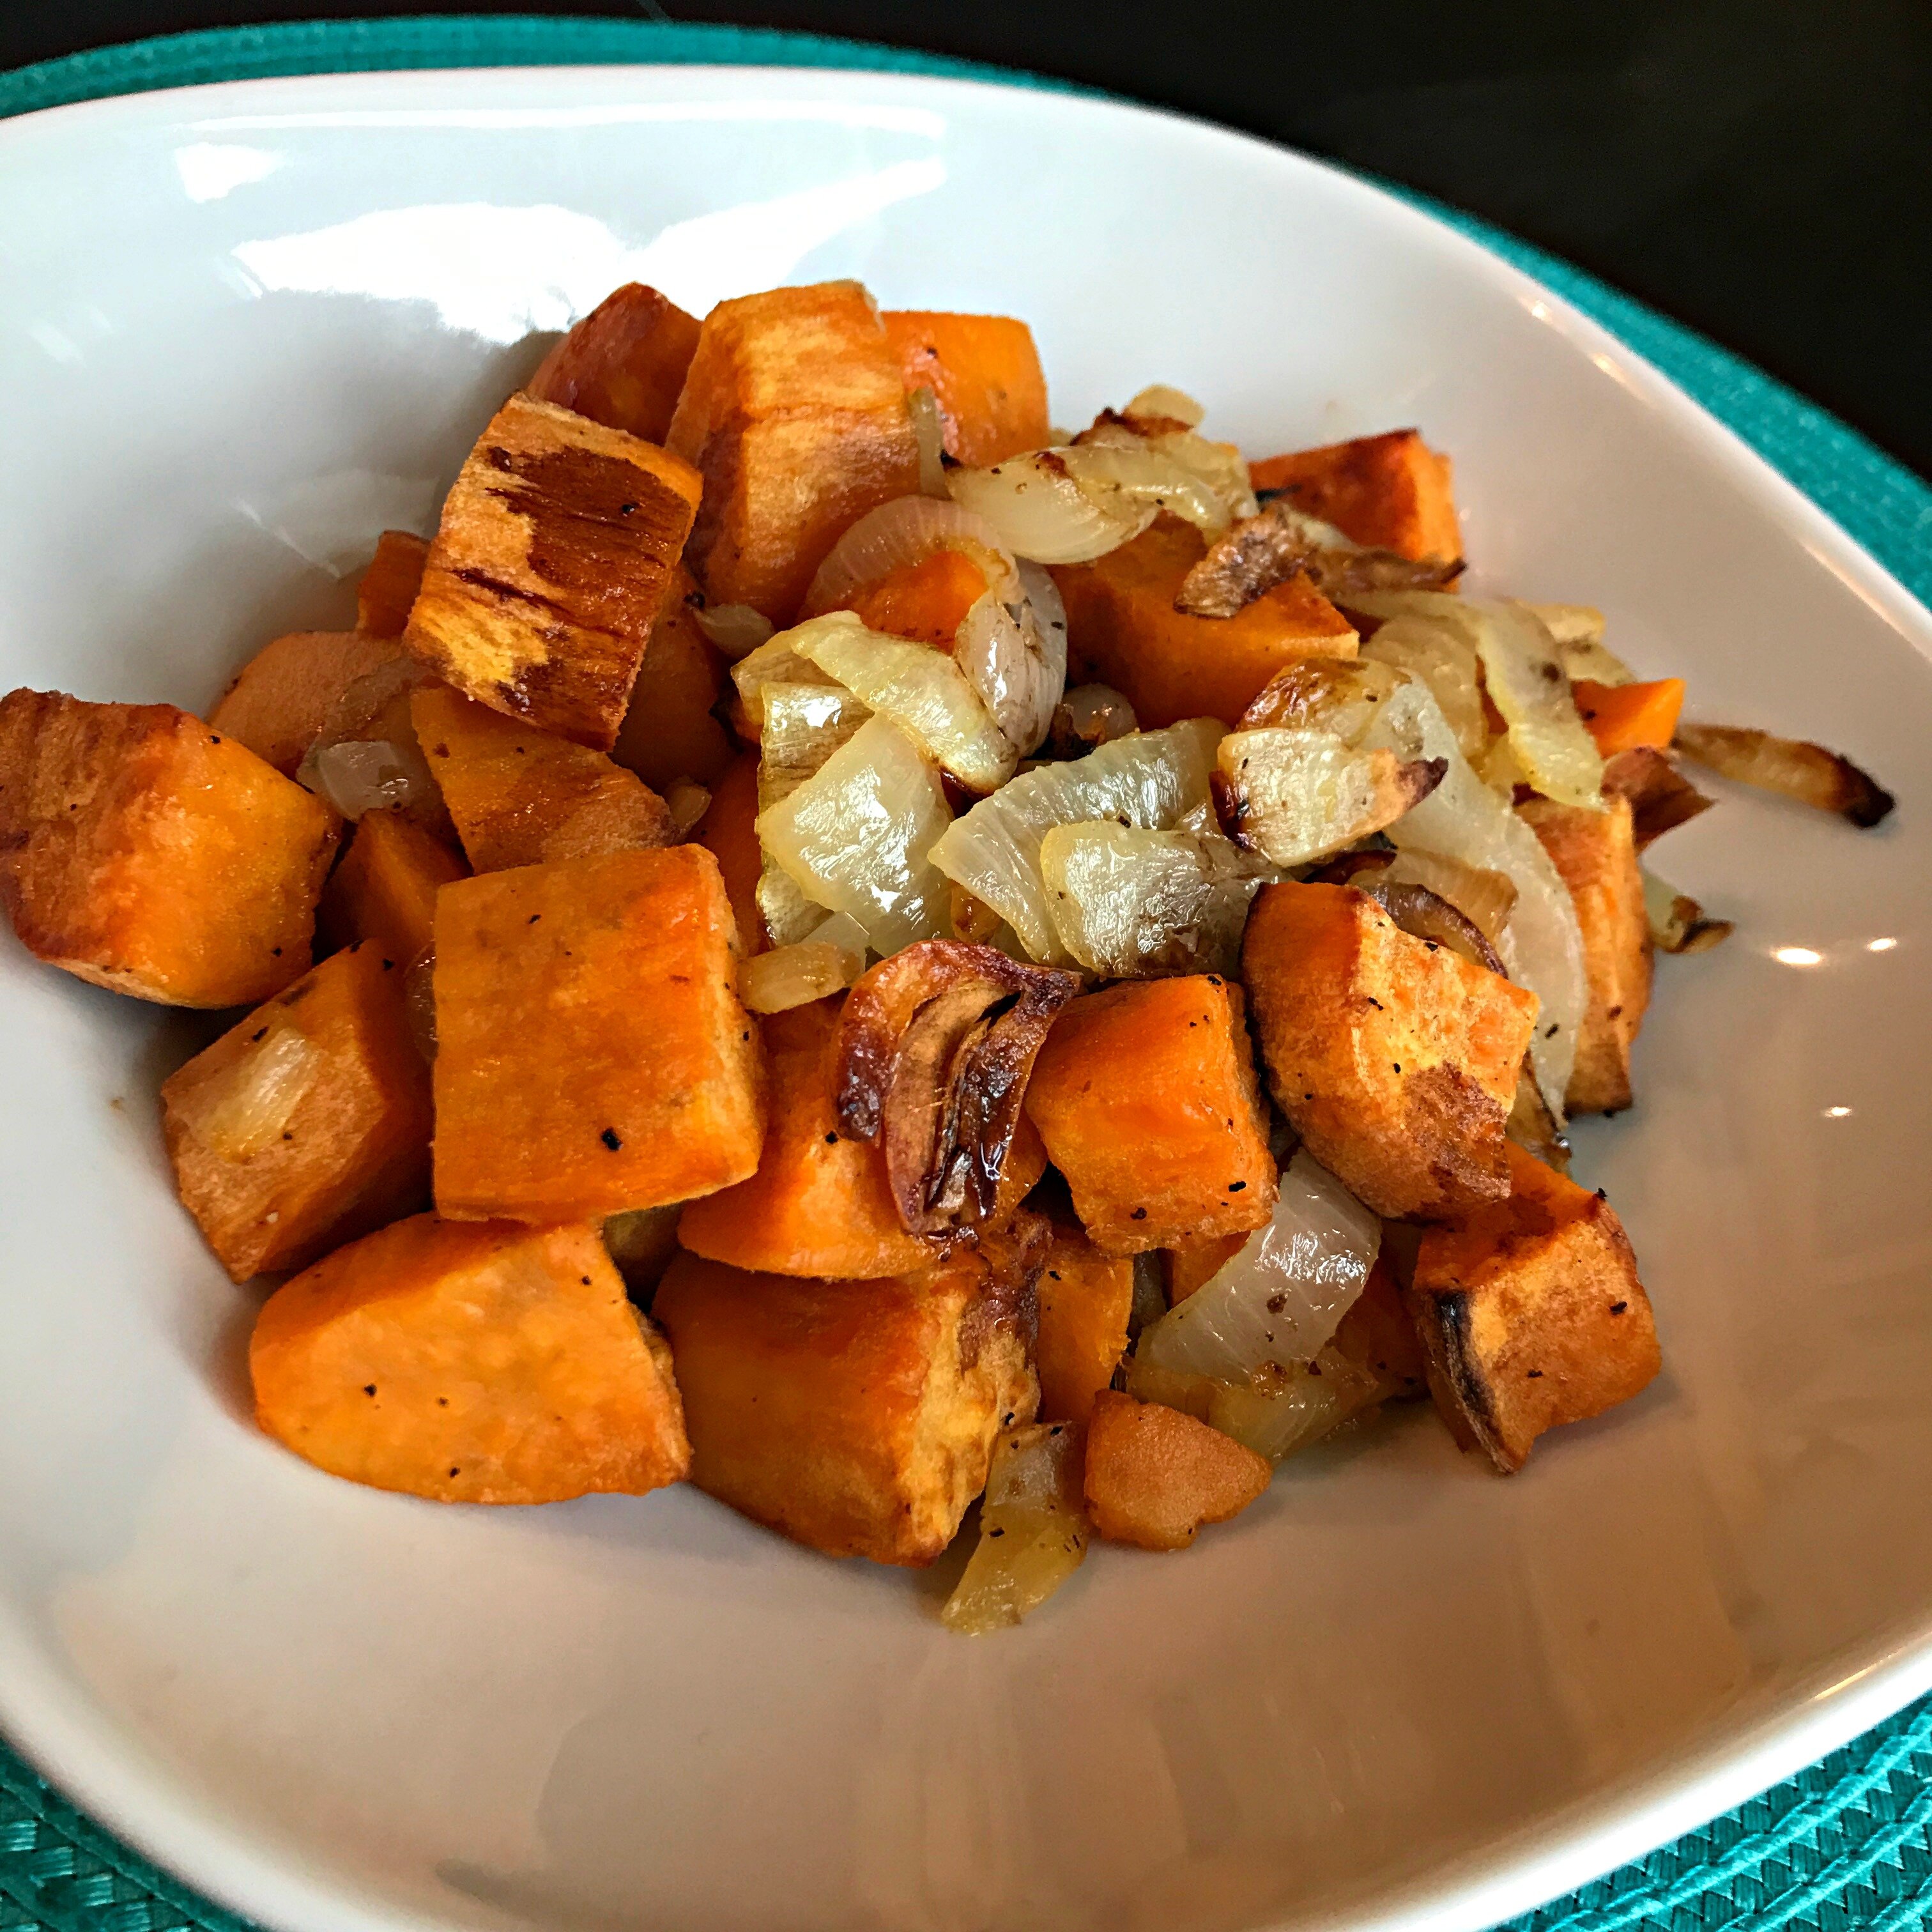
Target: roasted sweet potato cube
[1085, 1297]
[1530, 1312]
[984, 373]
[624, 363]
[388, 591]
[558, 539]
[1122, 630]
[855, 1417]
[1145, 1096]
[144, 850]
[669, 732]
[1192, 1264]
[308, 1123]
[1391, 492]
[1154, 1475]
[1395, 1059]
[728, 831]
[591, 1055]
[384, 890]
[1596, 853]
[794, 412]
[820, 1203]
[470, 1363]
[285, 694]
[521, 796]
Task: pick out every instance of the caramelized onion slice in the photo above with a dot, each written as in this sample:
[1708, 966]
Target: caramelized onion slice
[935, 1049]
[1792, 766]
[1296, 796]
[1532, 1125]
[1269, 547]
[1661, 797]
[1088, 716]
[1429, 917]
[1678, 923]
[1321, 695]
[1484, 896]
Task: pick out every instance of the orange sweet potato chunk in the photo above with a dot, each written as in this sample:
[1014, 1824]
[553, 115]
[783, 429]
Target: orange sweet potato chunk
[728, 831]
[1620, 717]
[1596, 853]
[1395, 1060]
[794, 412]
[1122, 630]
[144, 851]
[384, 890]
[1530, 1312]
[557, 540]
[1145, 1096]
[285, 694]
[984, 373]
[591, 1055]
[1085, 1297]
[470, 1363]
[521, 796]
[1391, 492]
[624, 363]
[855, 1417]
[926, 602]
[308, 1123]
[1154, 1475]
[388, 588]
[819, 1204]
[669, 733]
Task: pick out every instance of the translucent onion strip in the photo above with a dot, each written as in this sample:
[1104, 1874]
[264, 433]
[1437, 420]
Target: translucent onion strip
[907, 530]
[1151, 779]
[854, 838]
[785, 976]
[922, 691]
[1032, 1528]
[246, 1108]
[1283, 1294]
[1040, 512]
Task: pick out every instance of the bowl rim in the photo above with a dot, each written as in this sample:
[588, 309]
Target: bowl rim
[125, 1787]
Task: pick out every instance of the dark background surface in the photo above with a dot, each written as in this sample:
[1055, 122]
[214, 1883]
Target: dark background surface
[1761, 169]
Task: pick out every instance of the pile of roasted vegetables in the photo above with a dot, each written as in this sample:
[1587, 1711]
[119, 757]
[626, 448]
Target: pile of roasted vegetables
[827, 938]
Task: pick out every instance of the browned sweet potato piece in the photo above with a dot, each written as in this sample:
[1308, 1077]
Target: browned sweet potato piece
[308, 1123]
[384, 890]
[1192, 1264]
[624, 363]
[1145, 1096]
[1085, 1297]
[1531, 1313]
[669, 732]
[557, 540]
[1596, 853]
[1395, 1058]
[389, 586]
[820, 1203]
[283, 695]
[143, 850]
[1390, 492]
[521, 796]
[728, 831]
[1378, 1334]
[470, 1363]
[591, 1055]
[794, 412]
[855, 1417]
[1122, 630]
[1154, 1476]
[984, 373]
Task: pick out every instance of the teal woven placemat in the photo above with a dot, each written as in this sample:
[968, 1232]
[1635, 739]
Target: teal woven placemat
[1846, 1845]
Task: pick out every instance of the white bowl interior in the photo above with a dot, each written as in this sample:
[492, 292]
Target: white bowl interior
[242, 329]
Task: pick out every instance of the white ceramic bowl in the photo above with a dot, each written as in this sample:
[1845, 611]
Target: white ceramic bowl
[242, 327]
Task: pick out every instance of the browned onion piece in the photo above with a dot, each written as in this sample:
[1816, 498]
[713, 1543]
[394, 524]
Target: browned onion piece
[1532, 1126]
[1088, 716]
[1346, 868]
[1678, 923]
[1797, 769]
[1268, 548]
[1661, 797]
[934, 1050]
